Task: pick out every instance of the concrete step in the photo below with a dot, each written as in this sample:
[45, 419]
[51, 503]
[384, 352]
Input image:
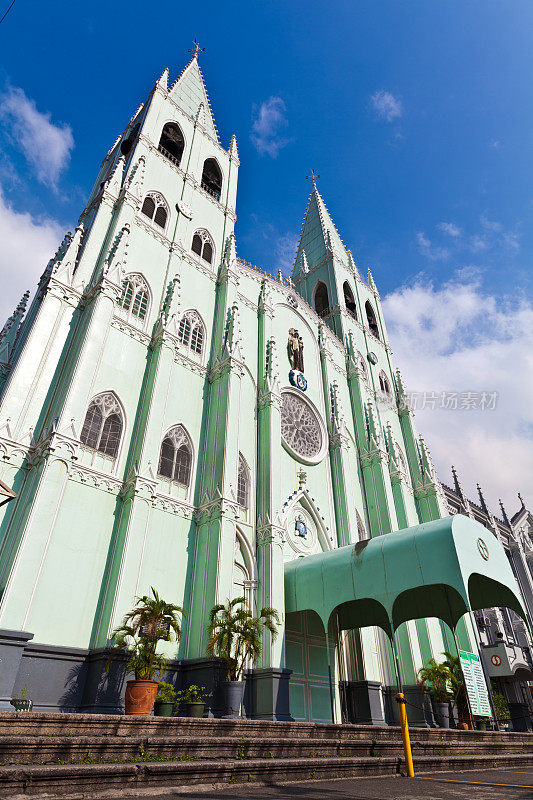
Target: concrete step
[41, 750]
[55, 724]
[99, 780]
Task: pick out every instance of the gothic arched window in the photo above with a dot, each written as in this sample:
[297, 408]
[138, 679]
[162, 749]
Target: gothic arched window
[135, 298]
[371, 317]
[384, 384]
[175, 459]
[191, 332]
[349, 300]
[171, 143]
[212, 178]
[156, 209]
[202, 245]
[321, 299]
[102, 428]
[243, 483]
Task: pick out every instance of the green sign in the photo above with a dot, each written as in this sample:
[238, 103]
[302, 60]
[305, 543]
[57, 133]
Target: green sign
[475, 683]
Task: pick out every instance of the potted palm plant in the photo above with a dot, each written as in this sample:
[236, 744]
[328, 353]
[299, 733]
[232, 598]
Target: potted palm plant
[165, 700]
[235, 636]
[150, 622]
[437, 677]
[458, 689]
[194, 698]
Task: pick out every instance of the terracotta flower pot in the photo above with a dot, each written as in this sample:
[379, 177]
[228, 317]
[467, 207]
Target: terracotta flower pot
[140, 697]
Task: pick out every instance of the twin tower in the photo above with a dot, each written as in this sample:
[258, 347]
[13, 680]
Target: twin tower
[171, 416]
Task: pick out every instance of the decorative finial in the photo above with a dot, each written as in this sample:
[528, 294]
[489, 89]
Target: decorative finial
[312, 177]
[302, 478]
[197, 49]
[521, 500]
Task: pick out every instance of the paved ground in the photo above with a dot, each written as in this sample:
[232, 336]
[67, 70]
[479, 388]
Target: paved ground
[504, 784]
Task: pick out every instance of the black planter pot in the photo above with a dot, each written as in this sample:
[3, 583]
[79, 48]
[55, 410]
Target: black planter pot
[162, 709]
[21, 705]
[233, 693]
[195, 709]
[442, 714]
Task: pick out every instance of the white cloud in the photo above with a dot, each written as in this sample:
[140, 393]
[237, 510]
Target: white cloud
[450, 228]
[27, 246]
[46, 146]
[268, 119]
[386, 105]
[285, 251]
[458, 338]
[429, 250]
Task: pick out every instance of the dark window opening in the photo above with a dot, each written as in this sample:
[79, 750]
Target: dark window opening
[212, 178]
[371, 317]
[148, 208]
[175, 459]
[127, 144]
[321, 300]
[349, 300]
[160, 217]
[197, 245]
[171, 143]
[102, 427]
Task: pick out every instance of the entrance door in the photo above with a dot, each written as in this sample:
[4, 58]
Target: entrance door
[306, 654]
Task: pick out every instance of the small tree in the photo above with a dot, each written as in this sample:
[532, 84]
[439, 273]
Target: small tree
[235, 634]
[438, 678]
[150, 622]
[457, 682]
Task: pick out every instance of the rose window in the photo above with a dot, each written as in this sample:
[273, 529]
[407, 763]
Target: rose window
[300, 428]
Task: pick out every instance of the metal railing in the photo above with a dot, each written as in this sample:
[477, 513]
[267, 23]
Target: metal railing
[210, 191]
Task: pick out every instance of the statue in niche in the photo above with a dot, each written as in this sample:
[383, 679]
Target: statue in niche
[295, 347]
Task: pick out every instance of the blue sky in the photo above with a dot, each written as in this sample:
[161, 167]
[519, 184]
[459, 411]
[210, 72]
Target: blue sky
[418, 117]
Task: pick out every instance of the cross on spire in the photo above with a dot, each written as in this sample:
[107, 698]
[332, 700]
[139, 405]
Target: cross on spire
[197, 49]
[312, 177]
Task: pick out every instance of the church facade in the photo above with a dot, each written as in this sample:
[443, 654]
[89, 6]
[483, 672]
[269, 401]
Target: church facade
[172, 416]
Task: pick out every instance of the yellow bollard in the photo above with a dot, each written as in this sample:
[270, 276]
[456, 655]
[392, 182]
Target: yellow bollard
[405, 735]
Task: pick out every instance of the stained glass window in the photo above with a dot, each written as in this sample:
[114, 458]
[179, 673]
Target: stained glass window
[300, 428]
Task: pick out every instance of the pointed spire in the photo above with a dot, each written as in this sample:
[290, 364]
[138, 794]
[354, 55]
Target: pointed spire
[481, 499]
[232, 150]
[10, 330]
[371, 282]
[338, 424]
[230, 251]
[114, 264]
[351, 262]
[162, 82]
[64, 269]
[265, 296]
[319, 236]
[114, 184]
[135, 180]
[522, 504]
[425, 459]
[504, 513]
[232, 338]
[189, 92]
[271, 367]
[456, 483]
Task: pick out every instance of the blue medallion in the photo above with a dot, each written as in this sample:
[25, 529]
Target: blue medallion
[300, 527]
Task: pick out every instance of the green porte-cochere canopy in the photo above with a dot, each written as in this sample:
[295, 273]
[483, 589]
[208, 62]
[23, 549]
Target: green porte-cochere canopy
[443, 569]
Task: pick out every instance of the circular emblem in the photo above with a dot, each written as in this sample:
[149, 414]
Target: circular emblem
[292, 301]
[495, 660]
[301, 382]
[372, 357]
[483, 549]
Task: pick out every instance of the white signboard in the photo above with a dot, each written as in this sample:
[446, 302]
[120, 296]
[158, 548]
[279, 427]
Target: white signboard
[475, 683]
